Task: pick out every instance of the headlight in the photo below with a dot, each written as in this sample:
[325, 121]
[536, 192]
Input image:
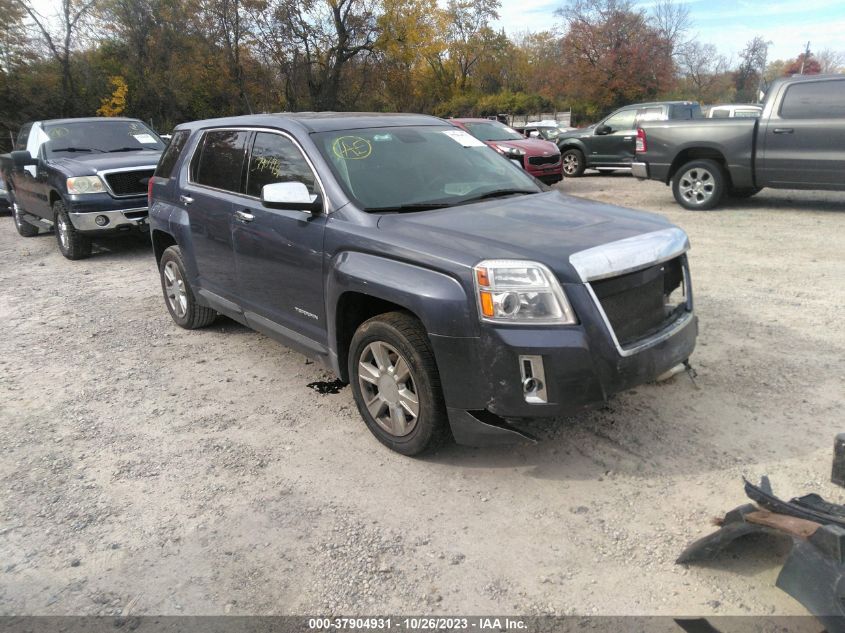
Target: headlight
[85, 184]
[523, 292]
[510, 151]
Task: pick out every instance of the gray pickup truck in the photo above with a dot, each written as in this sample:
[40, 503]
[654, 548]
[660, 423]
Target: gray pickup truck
[797, 143]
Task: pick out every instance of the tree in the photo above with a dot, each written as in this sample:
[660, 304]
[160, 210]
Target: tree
[60, 37]
[748, 77]
[804, 64]
[672, 22]
[613, 54]
[704, 73]
[831, 61]
[116, 103]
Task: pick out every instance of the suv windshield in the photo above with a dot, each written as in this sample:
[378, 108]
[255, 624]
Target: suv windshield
[99, 137]
[492, 131]
[414, 168]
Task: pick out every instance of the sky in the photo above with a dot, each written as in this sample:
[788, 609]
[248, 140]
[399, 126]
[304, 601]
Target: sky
[727, 24]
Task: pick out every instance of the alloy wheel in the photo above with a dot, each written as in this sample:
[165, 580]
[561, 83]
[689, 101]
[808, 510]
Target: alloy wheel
[697, 186]
[174, 288]
[388, 387]
[570, 164]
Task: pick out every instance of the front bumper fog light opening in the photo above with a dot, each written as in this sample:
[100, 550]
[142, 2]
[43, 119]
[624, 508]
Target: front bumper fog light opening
[533, 379]
[101, 220]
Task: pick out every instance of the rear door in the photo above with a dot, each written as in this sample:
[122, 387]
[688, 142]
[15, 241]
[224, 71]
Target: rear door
[616, 147]
[214, 184]
[803, 142]
[280, 252]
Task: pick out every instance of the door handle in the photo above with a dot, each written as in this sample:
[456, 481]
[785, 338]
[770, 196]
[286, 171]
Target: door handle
[783, 130]
[244, 216]
[186, 199]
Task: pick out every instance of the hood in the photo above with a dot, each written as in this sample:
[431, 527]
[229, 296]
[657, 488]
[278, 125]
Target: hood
[579, 132]
[546, 227]
[531, 146]
[88, 164]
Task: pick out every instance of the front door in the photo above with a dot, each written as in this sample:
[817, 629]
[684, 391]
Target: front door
[210, 197]
[616, 146]
[280, 252]
[802, 144]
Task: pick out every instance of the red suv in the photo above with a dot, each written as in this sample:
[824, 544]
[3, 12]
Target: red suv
[539, 158]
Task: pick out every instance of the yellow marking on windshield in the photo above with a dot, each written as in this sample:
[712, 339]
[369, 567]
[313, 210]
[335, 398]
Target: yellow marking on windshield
[352, 148]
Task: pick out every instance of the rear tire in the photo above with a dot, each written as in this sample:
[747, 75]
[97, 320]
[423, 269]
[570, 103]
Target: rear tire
[178, 295]
[699, 184]
[396, 384]
[574, 163]
[24, 228]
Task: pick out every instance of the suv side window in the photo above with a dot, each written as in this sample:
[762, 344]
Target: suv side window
[623, 120]
[219, 160]
[23, 137]
[275, 158]
[654, 113]
[814, 100]
[171, 154]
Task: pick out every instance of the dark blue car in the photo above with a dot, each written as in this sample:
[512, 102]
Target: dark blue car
[455, 293]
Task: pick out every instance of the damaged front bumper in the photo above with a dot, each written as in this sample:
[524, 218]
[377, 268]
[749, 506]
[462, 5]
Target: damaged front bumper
[814, 572]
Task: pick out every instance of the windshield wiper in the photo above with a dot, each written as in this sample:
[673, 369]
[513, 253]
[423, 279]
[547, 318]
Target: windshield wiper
[417, 206]
[497, 193]
[75, 149]
[132, 149]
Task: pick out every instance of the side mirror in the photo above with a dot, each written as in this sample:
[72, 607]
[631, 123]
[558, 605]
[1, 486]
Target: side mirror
[22, 158]
[603, 130]
[291, 196]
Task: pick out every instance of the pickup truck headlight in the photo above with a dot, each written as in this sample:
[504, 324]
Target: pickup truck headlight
[520, 292]
[85, 184]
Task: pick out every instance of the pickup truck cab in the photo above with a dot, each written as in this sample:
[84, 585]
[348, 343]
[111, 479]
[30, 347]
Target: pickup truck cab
[85, 178]
[798, 142]
[452, 291]
[610, 143]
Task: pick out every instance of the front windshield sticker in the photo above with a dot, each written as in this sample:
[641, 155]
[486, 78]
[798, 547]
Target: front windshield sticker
[464, 138]
[352, 148]
[145, 139]
[58, 132]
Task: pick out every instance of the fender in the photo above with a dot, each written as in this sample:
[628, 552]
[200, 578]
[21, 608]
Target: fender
[437, 299]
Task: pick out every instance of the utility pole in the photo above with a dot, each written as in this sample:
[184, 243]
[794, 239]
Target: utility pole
[804, 59]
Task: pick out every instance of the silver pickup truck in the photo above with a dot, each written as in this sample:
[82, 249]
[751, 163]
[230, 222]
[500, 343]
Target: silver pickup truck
[797, 143]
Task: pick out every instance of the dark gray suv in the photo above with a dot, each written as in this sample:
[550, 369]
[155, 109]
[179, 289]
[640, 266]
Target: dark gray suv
[453, 292]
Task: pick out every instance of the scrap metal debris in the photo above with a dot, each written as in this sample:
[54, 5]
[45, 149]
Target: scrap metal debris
[814, 572]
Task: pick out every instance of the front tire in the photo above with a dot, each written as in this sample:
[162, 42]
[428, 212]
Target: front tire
[699, 184]
[574, 163]
[396, 384]
[178, 294]
[72, 244]
[24, 228]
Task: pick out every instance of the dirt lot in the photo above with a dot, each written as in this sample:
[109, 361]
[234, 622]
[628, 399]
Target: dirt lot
[149, 470]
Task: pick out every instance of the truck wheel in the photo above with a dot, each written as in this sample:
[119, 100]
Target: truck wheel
[396, 384]
[699, 185]
[72, 243]
[744, 193]
[573, 163]
[178, 294]
[25, 229]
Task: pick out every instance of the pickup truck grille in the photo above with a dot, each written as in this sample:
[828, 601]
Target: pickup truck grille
[544, 160]
[641, 304]
[129, 183]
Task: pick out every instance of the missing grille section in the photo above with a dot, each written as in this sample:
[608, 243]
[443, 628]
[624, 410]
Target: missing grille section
[641, 304]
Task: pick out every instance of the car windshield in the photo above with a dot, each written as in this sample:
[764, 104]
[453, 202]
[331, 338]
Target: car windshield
[492, 131]
[99, 137]
[415, 168]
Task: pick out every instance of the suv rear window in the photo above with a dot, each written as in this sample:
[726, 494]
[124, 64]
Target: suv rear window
[171, 154]
[219, 160]
[814, 100]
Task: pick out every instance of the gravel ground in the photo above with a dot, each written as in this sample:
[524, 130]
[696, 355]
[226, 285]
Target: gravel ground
[150, 470]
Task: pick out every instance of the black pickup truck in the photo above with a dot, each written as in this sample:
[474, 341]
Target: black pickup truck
[84, 177]
[797, 143]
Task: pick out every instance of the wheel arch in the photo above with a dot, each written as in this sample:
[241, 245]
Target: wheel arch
[162, 240]
[696, 153]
